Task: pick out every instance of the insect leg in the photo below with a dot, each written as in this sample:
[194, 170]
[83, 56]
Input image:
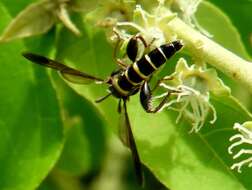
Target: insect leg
[146, 98]
[162, 80]
[121, 63]
[140, 37]
[119, 39]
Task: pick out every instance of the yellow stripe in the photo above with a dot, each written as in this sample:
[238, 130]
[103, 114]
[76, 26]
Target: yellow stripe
[135, 67]
[161, 51]
[127, 76]
[118, 88]
[149, 61]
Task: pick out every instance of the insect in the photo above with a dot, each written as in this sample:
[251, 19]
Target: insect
[137, 75]
[122, 84]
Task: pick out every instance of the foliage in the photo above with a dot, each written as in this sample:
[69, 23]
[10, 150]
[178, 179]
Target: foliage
[53, 135]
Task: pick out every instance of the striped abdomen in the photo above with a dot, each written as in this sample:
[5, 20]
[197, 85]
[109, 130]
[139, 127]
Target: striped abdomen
[127, 83]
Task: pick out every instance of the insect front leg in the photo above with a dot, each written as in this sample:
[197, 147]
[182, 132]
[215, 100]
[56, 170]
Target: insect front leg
[166, 78]
[121, 64]
[119, 41]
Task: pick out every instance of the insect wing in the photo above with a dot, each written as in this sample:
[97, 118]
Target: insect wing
[78, 77]
[127, 138]
[67, 73]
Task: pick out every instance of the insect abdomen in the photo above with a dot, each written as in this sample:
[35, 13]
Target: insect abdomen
[171, 48]
[157, 57]
[145, 66]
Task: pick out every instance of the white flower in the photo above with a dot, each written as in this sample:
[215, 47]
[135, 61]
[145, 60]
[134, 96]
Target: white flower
[148, 26]
[244, 137]
[190, 88]
[190, 103]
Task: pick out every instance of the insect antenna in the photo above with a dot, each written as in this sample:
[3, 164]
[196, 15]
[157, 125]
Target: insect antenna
[103, 98]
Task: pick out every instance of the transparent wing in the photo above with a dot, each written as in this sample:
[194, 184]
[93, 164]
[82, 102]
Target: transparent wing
[127, 138]
[68, 73]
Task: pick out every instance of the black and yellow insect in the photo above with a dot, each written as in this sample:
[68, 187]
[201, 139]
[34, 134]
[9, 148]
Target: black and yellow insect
[122, 84]
[130, 79]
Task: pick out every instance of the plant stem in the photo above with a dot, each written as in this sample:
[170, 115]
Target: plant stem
[214, 54]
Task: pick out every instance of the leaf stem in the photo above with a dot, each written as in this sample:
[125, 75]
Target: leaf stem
[224, 60]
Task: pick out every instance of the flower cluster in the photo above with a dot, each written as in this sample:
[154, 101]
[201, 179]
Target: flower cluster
[148, 26]
[243, 137]
[190, 103]
[193, 85]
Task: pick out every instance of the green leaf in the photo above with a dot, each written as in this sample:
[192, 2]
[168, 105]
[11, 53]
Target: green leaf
[85, 137]
[80, 5]
[76, 156]
[35, 19]
[239, 13]
[47, 185]
[31, 129]
[15, 8]
[188, 161]
[59, 180]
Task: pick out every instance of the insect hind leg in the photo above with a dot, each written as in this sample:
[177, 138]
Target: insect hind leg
[146, 97]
